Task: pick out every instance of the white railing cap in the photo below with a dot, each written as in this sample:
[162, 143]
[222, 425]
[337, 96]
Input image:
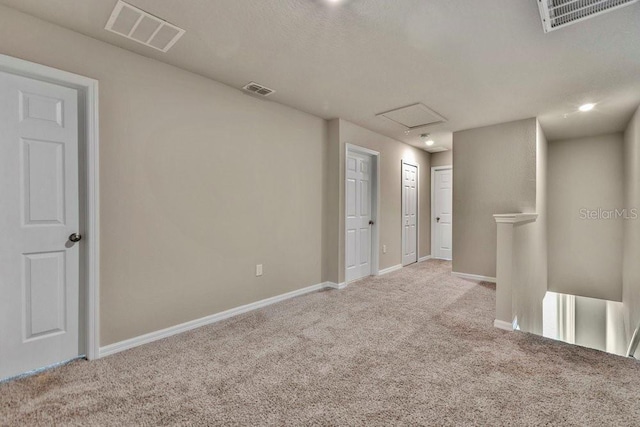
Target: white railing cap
[515, 218]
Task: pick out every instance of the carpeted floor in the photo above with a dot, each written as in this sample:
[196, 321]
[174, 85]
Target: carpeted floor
[415, 347]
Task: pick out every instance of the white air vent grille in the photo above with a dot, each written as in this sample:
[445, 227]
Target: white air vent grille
[560, 13]
[258, 89]
[142, 27]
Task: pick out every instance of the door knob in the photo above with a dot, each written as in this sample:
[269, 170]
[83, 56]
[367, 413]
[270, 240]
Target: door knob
[371, 222]
[75, 237]
[438, 219]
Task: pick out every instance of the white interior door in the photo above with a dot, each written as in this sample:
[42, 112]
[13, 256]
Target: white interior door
[358, 216]
[409, 214]
[39, 280]
[443, 214]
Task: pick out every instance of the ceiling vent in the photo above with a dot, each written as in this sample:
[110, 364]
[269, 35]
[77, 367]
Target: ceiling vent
[142, 27]
[560, 13]
[258, 89]
[413, 116]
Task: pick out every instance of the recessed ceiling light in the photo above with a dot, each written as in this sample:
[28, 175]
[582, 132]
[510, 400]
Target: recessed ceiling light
[429, 142]
[586, 107]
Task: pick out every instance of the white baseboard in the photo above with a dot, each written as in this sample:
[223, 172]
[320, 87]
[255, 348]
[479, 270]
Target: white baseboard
[184, 327]
[335, 285]
[474, 277]
[501, 324]
[390, 269]
[425, 258]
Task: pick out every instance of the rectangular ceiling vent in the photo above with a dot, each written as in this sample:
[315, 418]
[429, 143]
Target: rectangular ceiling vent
[413, 116]
[142, 27]
[258, 89]
[560, 13]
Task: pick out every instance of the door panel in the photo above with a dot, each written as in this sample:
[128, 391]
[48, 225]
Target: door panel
[358, 214]
[39, 283]
[443, 210]
[44, 289]
[43, 182]
[351, 201]
[365, 244]
[409, 214]
[351, 246]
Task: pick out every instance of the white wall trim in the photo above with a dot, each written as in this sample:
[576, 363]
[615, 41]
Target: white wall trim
[208, 320]
[434, 169]
[375, 199]
[88, 91]
[501, 324]
[474, 277]
[333, 285]
[417, 166]
[390, 270]
[424, 258]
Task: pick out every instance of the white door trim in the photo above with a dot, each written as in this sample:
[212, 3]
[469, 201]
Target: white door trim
[433, 205]
[88, 136]
[417, 166]
[375, 209]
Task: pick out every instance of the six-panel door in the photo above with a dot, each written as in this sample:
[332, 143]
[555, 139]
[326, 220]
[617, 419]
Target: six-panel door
[39, 280]
[358, 216]
[409, 214]
[443, 209]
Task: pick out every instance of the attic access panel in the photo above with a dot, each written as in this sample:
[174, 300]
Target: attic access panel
[142, 27]
[413, 116]
[560, 13]
[436, 149]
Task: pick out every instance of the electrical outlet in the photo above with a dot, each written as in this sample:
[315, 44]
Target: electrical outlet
[384, 249]
[258, 270]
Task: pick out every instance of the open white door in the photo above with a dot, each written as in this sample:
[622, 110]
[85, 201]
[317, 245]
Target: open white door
[359, 216]
[39, 284]
[442, 213]
[409, 213]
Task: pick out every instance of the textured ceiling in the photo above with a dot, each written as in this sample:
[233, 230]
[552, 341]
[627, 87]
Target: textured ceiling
[475, 62]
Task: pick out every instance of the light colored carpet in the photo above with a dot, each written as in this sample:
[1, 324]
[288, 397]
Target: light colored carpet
[415, 347]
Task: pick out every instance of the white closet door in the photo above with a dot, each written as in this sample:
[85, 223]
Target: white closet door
[358, 216]
[39, 283]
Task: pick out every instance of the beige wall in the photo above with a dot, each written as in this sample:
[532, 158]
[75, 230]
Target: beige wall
[585, 256]
[331, 234]
[527, 255]
[444, 158]
[199, 183]
[532, 260]
[631, 263]
[392, 152]
[495, 172]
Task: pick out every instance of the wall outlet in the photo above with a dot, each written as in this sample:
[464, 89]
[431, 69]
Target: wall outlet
[384, 249]
[258, 270]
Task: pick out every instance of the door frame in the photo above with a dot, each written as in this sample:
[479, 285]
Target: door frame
[417, 166]
[375, 206]
[434, 169]
[89, 192]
